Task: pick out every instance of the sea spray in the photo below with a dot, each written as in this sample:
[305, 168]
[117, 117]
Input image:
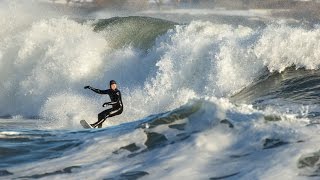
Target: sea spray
[52, 57]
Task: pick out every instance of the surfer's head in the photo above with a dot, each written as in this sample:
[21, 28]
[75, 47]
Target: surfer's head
[113, 84]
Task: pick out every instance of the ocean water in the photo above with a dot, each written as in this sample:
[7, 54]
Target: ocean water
[203, 99]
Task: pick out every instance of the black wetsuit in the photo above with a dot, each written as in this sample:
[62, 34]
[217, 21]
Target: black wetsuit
[116, 102]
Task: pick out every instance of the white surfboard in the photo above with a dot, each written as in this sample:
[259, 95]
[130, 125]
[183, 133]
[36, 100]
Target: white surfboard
[85, 124]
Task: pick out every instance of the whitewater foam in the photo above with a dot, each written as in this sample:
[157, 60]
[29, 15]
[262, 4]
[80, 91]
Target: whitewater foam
[294, 46]
[205, 148]
[46, 62]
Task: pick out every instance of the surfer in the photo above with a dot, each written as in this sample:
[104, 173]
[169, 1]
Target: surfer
[116, 103]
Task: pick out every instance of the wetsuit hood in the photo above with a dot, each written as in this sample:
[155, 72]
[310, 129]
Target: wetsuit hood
[113, 82]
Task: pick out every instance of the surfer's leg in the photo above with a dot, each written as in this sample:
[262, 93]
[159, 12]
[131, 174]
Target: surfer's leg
[115, 112]
[105, 114]
[101, 118]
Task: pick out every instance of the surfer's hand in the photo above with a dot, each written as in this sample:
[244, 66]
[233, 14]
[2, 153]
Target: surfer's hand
[105, 104]
[87, 87]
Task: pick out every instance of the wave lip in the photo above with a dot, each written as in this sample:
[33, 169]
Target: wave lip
[295, 90]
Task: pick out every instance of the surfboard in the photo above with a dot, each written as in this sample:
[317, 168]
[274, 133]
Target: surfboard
[85, 124]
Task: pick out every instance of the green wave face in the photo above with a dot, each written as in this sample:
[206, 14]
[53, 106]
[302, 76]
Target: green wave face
[136, 31]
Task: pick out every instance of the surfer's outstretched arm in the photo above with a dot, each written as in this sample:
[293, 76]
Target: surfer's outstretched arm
[97, 90]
